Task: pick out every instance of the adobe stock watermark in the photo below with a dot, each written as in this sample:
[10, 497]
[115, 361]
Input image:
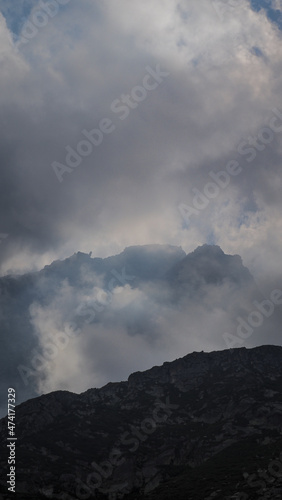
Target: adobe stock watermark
[261, 478]
[246, 327]
[248, 148]
[131, 441]
[39, 18]
[122, 107]
[85, 315]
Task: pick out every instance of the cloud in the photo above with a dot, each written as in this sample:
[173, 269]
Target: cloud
[224, 82]
[134, 329]
[89, 330]
[83, 322]
[65, 80]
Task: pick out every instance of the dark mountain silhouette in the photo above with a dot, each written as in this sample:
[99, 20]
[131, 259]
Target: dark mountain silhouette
[205, 426]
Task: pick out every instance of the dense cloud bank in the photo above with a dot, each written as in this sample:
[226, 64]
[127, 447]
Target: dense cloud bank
[175, 91]
[85, 321]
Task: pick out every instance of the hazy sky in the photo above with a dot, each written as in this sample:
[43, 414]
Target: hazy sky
[79, 66]
[128, 123]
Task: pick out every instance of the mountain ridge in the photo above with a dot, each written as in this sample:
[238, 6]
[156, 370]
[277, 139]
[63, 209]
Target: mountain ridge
[181, 414]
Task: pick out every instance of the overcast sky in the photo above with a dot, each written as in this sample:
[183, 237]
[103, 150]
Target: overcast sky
[128, 123]
[65, 70]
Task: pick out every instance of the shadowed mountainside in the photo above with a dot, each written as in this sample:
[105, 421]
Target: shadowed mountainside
[200, 427]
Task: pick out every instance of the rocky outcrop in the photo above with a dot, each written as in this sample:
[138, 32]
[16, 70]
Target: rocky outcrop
[136, 438]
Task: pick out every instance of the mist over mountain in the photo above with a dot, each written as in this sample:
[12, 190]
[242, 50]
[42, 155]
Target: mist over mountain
[143, 263]
[208, 264]
[85, 321]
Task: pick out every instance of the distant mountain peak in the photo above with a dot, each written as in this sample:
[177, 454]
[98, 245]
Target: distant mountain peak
[209, 264]
[207, 248]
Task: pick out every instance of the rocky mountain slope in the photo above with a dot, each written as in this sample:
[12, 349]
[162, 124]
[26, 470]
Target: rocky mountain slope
[205, 426]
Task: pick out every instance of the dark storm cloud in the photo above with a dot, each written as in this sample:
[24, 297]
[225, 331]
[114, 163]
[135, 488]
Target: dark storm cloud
[66, 80]
[89, 63]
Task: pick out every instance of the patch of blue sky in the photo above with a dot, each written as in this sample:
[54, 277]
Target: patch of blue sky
[273, 14]
[257, 51]
[24, 11]
[16, 13]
